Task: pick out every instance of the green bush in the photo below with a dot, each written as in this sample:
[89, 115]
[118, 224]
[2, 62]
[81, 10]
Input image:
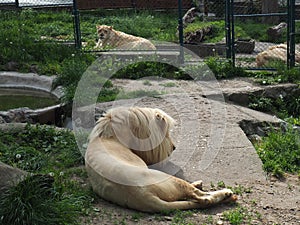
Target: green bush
[50, 194]
[48, 148]
[35, 201]
[224, 68]
[282, 107]
[280, 151]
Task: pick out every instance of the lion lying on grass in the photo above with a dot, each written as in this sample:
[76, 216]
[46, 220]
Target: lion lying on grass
[122, 144]
[108, 37]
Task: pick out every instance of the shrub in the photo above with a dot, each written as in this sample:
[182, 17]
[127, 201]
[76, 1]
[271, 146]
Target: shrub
[35, 201]
[224, 68]
[280, 151]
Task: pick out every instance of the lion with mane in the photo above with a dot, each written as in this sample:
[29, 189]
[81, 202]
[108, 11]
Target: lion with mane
[123, 143]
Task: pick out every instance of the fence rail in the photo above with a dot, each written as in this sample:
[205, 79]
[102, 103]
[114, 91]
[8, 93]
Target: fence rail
[138, 4]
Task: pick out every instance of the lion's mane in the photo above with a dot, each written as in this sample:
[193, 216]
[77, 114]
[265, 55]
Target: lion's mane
[143, 130]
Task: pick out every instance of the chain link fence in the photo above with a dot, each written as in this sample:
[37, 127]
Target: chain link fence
[252, 33]
[241, 30]
[263, 33]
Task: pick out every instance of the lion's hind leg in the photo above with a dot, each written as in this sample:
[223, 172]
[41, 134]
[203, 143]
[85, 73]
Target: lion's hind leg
[214, 197]
[197, 201]
[198, 184]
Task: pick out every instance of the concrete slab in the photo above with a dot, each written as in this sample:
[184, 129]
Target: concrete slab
[211, 146]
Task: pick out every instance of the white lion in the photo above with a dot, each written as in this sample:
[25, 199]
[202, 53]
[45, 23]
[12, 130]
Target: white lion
[121, 146]
[108, 37]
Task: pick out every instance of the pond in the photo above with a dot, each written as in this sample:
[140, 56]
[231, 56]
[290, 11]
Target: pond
[11, 98]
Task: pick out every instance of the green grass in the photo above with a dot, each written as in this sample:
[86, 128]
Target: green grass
[218, 30]
[280, 152]
[38, 38]
[30, 39]
[51, 195]
[154, 25]
[236, 216]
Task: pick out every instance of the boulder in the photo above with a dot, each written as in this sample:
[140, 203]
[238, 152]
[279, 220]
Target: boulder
[276, 32]
[10, 176]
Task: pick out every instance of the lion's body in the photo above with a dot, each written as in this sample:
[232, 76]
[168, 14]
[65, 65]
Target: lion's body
[119, 175]
[275, 52]
[108, 37]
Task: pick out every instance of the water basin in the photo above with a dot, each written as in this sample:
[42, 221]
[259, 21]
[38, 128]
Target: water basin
[12, 98]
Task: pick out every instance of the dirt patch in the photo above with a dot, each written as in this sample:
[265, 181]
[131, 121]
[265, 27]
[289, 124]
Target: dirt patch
[270, 202]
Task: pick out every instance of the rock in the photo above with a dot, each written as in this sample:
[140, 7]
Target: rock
[12, 66]
[245, 46]
[19, 115]
[2, 120]
[9, 175]
[276, 32]
[197, 37]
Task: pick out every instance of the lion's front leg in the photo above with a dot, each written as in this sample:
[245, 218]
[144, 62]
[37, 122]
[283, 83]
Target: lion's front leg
[99, 44]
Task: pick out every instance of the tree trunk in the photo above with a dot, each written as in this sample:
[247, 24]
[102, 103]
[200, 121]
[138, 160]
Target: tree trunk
[270, 6]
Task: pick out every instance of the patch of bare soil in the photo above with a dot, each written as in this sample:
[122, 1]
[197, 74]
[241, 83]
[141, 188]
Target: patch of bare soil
[271, 202]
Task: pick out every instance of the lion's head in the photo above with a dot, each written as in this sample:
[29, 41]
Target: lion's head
[143, 130]
[104, 31]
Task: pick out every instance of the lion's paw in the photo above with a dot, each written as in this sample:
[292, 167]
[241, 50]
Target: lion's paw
[229, 196]
[198, 184]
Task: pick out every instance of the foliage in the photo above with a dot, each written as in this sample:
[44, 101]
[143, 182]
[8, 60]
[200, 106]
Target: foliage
[49, 195]
[48, 148]
[283, 106]
[151, 69]
[218, 30]
[236, 216]
[280, 151]
[224, 68]
[36, 201]
[24, 42]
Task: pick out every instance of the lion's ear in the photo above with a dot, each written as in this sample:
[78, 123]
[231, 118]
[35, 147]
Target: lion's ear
[110, 27]
[158, 116]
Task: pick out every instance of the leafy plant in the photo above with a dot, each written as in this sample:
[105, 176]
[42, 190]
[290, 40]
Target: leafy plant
[48, 148]
[236, 216]
[35, 201]
[280, 151]
[283, 107]
[224, 68]
[50, 195]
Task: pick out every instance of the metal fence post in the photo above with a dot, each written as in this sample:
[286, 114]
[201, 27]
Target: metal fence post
[228, 30]
[17, 3]
[229, 27]
[232, 32]
[77, 32]
[180, 31]
[291, 34]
